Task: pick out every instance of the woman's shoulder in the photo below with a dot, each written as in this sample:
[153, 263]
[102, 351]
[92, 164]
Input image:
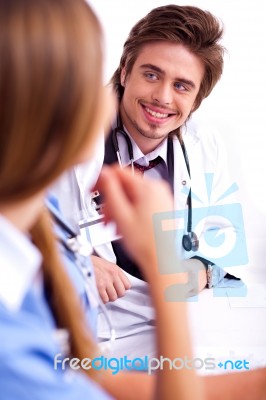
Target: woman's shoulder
[28, 349]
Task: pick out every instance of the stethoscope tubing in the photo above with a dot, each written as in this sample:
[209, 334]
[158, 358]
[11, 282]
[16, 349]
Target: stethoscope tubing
[170, 158]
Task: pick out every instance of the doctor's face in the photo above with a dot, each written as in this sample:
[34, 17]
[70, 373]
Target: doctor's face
[160, 91]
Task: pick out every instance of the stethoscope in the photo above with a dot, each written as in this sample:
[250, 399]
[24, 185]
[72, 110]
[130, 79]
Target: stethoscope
[81, 249]
[190, 241]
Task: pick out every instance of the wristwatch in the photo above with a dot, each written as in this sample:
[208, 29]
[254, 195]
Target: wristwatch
[214, 273]
[209, 271]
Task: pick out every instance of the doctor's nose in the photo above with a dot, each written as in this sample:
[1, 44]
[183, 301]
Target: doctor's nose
[163, 94]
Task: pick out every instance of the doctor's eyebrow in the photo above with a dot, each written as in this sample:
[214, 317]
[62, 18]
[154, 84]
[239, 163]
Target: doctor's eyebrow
[162, 72]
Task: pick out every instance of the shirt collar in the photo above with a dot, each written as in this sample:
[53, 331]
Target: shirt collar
[19, 263]
[142, 159]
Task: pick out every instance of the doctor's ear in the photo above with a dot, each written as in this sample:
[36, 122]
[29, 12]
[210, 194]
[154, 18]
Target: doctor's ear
[123, 77]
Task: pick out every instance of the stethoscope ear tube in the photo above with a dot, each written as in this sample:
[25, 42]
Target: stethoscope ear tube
[120, 129]
[190, 241]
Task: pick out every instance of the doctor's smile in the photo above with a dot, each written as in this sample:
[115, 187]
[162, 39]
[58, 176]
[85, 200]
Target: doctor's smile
[157, 115]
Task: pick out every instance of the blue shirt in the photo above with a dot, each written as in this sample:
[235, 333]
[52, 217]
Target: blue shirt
[27, 328]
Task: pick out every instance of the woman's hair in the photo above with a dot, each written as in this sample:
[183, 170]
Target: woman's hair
[199, 31]
[50, 93]
[50, 77]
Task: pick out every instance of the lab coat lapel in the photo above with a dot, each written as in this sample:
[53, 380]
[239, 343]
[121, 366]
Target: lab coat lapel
[181, 178]
[197, 168]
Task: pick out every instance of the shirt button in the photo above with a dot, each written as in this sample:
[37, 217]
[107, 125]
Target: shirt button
[184, 183]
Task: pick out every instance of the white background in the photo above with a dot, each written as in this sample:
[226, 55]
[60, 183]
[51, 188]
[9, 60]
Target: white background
[237, 104]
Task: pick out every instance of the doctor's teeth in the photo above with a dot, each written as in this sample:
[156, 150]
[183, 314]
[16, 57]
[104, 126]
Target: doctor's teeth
[156, 114]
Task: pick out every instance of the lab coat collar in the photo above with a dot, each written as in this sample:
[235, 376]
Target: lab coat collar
[19, 264]
[190, 133]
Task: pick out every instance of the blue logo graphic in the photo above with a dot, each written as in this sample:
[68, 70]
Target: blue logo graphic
[219, 227]
[231, 365]
[221, 233]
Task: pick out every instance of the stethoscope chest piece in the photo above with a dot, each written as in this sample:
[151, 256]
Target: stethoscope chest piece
[190, 242]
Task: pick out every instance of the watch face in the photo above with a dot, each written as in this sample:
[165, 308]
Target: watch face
[210, 276]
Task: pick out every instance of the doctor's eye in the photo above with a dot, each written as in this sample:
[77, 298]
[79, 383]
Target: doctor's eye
[180, 87]
[151, 76]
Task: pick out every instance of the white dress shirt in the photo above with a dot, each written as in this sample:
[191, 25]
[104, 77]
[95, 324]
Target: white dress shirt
[19, 265]
[160, 171]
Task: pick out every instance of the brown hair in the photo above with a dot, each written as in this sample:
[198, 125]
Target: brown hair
[199, 31]
[50, 76]
[50, 89]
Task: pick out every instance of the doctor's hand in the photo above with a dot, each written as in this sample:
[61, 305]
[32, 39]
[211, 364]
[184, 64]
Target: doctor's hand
[111, 280]
[131, 202]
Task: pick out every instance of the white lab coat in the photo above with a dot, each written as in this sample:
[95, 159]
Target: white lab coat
[133, 315]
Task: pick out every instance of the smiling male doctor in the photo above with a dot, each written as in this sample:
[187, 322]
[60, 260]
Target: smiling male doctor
[171, 61]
